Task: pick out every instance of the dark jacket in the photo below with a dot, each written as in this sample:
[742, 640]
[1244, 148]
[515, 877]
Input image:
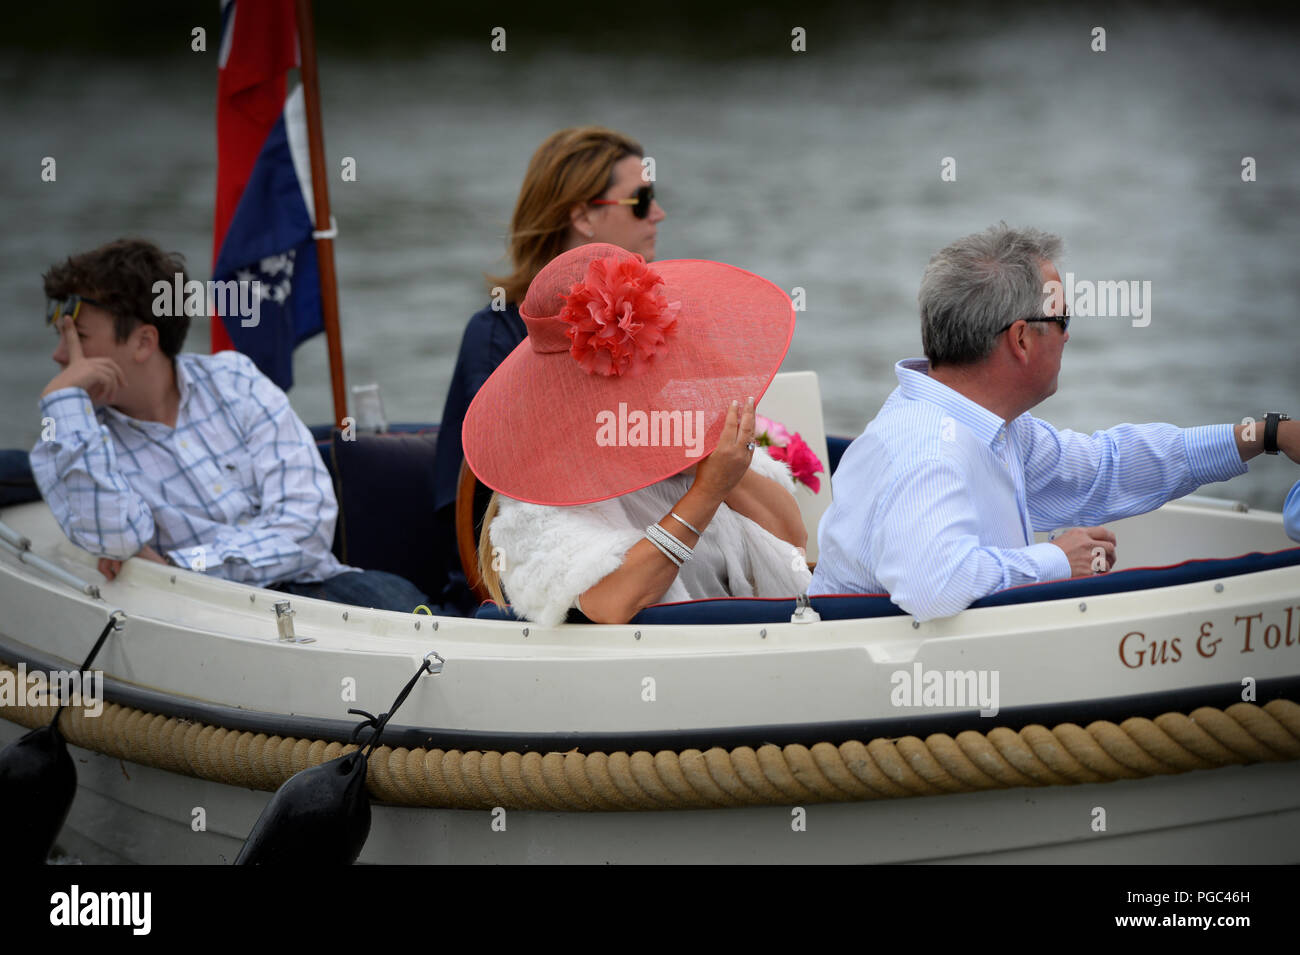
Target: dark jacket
[489, 337]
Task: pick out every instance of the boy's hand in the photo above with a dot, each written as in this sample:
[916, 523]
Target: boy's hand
[101, 378]
[111, 568]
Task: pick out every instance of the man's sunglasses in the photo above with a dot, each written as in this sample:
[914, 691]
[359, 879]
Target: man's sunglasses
[640, 203]
[1062, 320]
[70, 306]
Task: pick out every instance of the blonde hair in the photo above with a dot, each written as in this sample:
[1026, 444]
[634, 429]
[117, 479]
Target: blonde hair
[570, 167]
[486, 567]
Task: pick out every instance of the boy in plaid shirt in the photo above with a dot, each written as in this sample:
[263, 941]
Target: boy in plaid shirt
[192, 460]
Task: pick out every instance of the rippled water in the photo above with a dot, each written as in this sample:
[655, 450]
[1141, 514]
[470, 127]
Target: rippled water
[818, 170]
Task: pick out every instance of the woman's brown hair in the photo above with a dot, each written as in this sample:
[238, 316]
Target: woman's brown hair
[570, 167]
[487, 567]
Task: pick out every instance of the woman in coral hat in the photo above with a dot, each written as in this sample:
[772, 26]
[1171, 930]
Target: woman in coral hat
[619, 439]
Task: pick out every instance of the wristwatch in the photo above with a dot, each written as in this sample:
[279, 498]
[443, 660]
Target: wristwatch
[1271, 421]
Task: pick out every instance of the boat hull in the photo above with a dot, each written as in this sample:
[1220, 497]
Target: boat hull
[125, 812]
[208, 651]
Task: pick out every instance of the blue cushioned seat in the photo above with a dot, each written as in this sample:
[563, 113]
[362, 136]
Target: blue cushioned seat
[835, 448]
[384, 484]
[492, 611]
[17, 486]
[1143, 578]
[745, 610]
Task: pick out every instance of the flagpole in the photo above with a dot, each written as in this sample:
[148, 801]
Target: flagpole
[329, 289]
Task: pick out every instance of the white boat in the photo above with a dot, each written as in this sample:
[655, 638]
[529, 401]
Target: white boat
[1147, 715]
[514, 751]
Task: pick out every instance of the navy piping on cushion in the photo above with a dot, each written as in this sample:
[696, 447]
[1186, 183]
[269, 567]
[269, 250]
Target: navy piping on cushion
[766, 609]
[748, 610]
[737, 610]
[1143, 578]
[489, 610]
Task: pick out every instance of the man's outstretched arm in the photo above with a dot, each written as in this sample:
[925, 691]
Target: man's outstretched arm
[1073, 478]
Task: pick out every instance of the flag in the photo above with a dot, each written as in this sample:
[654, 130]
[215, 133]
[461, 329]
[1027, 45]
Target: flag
[264, 211]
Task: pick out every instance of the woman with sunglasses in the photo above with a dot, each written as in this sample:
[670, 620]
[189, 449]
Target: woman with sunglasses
[584, 184]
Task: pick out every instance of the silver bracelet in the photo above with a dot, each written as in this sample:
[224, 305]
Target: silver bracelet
[664, 550]
[671, 542]
[686, 524]
[657, 533]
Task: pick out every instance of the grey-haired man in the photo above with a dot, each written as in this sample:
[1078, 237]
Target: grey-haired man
[936, 503]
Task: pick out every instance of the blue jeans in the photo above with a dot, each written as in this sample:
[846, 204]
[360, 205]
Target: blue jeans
[365, 588]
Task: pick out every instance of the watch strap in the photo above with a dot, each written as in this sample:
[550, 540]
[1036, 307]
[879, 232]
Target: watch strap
[1271, 421]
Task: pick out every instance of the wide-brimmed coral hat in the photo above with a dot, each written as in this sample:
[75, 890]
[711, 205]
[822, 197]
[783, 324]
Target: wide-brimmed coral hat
[625, 376]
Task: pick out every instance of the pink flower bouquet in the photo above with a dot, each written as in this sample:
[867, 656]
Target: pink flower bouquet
[790, 448]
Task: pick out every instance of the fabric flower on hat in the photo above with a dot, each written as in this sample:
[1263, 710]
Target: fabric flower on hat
[619, 320]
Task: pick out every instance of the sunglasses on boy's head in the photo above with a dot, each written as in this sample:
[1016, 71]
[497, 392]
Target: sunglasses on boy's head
[640, 203]
[56, 308]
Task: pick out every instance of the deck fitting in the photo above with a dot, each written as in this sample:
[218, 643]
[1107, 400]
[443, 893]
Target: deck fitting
[284, 624]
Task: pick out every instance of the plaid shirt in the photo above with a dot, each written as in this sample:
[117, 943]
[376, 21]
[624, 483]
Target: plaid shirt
[236, 490]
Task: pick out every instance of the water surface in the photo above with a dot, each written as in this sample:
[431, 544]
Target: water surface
[817, 170]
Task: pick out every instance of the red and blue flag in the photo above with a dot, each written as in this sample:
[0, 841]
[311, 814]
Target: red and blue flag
[264, 212]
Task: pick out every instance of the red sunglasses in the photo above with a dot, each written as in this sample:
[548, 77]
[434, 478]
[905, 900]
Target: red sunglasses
[640, 203]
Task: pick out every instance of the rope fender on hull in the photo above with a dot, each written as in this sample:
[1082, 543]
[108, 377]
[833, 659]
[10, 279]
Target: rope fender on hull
[883, 768]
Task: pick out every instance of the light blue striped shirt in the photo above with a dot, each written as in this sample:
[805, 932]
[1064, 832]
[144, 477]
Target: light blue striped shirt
[936, 502]
[236, 490]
